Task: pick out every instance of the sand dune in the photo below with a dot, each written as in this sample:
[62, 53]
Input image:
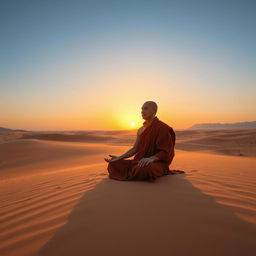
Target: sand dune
[237, 142]
[56, 199]
[31, 156]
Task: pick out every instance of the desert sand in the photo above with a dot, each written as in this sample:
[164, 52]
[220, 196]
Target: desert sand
[56, 197]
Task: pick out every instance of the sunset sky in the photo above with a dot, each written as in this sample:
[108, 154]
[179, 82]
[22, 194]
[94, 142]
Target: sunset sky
[70, 65]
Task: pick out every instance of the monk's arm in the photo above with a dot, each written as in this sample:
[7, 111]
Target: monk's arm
[129, 153]
[133, 150]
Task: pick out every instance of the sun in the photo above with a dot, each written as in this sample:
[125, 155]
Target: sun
[132, 124]
[127, 118]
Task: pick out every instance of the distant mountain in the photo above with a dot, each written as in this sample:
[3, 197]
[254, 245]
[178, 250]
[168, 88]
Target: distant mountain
[239, 125]
[3, 129]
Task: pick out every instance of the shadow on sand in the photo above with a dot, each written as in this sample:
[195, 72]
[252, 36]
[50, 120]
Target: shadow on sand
[168, 217]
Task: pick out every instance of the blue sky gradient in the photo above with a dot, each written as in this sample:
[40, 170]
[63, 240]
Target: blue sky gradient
[58, 58]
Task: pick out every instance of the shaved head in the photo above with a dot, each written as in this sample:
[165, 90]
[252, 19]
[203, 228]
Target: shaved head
[152, 105]
[148, 110]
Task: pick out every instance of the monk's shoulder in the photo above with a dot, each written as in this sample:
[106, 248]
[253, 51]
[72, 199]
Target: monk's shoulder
[164, 126]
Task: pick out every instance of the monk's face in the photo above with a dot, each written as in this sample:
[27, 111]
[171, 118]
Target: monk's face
[147, 111]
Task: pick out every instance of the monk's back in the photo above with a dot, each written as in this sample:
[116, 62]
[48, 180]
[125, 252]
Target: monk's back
[169, 128]
[161, 126]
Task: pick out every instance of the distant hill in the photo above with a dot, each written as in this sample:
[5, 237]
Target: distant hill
[239, 125]
[3, 129]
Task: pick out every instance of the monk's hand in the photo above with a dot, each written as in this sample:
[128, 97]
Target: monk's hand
[145, 161]
[112, 159]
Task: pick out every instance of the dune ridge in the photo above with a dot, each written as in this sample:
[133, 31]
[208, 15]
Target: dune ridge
[237, 142]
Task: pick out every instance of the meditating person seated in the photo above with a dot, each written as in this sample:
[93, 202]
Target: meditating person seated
[153, 150]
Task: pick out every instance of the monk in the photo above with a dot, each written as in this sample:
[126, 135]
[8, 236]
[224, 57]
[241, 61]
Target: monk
[153, 150]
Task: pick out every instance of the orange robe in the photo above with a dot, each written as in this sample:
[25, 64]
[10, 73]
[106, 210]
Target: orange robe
[158, 139]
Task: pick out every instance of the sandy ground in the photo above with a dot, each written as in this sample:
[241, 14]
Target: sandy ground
[56, 198]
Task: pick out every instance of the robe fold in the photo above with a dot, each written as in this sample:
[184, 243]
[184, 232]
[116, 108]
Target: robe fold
[158, 139]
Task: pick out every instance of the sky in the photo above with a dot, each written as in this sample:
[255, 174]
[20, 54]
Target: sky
[77, 65]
